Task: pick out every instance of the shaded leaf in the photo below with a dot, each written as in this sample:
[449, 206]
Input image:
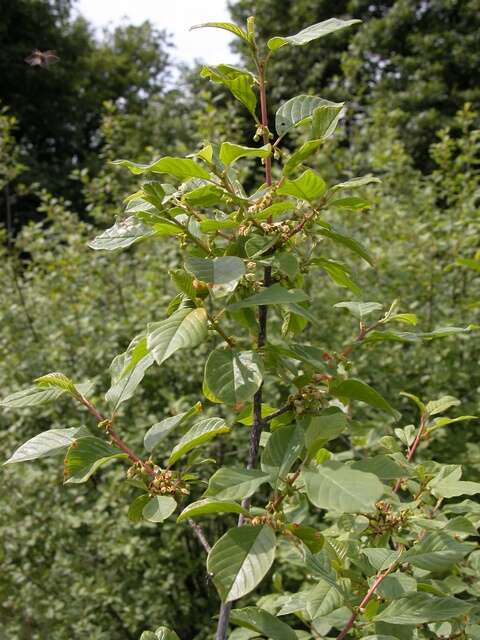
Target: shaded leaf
[215, 271]
[337, 487]
[85, 456]
[45, 444]
[239, 561]
[263, 623]
[354, 389]
[159, 508]
[210, 505]
[235, 484]
[181, 168]
[276, 294]
[418, 608]
[284, 446]
[186, 328]
[230, 153]
[201, 432]
[233, 376]
[309, 186]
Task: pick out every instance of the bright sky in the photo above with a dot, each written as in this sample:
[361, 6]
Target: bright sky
[176, 16]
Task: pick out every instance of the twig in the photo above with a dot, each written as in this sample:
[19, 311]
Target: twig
[133, 457]
[221, 332]
[413, 447]
[200, 535]
[364, 602]
[277, 414]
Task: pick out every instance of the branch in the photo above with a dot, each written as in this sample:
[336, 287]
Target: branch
[364, 602]
[221, 332]
[276, 414]
[133, 457]
[413, 447]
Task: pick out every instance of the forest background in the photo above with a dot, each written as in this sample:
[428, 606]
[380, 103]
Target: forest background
[411, 75]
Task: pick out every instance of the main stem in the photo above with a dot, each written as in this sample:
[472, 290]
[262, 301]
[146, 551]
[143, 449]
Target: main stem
[224, 614]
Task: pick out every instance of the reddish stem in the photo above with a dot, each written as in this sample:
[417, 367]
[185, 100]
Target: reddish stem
[412, 449]
[363, 603]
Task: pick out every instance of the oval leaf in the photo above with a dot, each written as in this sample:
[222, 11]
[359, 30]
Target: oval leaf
[210, 505]
[337, 487]
[240, 560]
[233, 376]
[159, 508]
[201, 432]
[186, 328]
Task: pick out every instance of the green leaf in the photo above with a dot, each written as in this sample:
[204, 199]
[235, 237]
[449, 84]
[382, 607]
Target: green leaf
[299, 110]
[276, 294]
[383, 467]
[210, 225]
[45, 444]
[312, 538]
[235, 484]
[238, 81]
[162, 633]
[444, 422]
[227, 26]
[359, 309]
[321, 429]
[233, 376]
[381, 559]
[123, 234]
[309, 186]
[201, 432]
[418, 608]
[415, 400]
[128, 370]
[56, 379]
[303, 312]
[135, 510]
[352, 202]
[160, 430]
[348, 242]
[207, 195]
[437, 552]
[31, 397]
[337, 487]
[263, 623]
[274, 210]
[159, 508]
[469, 262]
[216, 271]
[447, 483]
[396, 585]
[186, 328]
[325, 119]
[305, 151]
[85, 456]
[313, 32]
[284, 446]
[338, 273]
[434, 407]
[319, 565]
[239, 561]
[355, 183]
[210, 505]
[230, 153]
[354, 389]
[181, 168]
[322, 600]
